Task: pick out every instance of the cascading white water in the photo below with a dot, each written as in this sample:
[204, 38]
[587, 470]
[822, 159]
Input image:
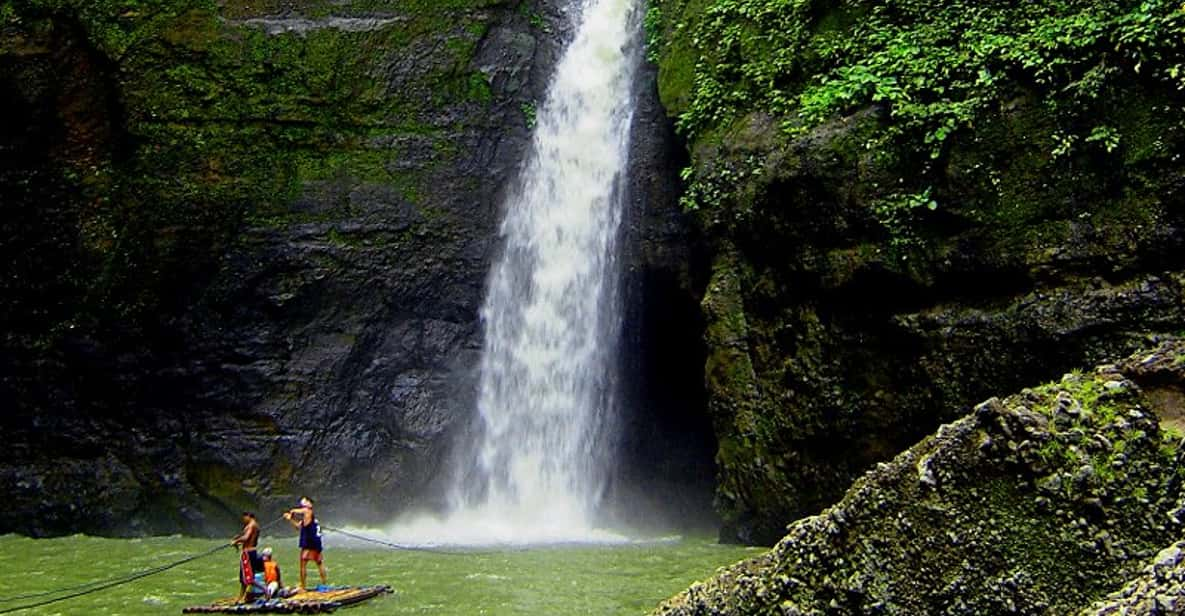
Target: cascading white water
[551, 314]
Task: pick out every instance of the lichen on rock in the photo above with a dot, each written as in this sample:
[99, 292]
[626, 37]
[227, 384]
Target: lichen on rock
[1159, 590]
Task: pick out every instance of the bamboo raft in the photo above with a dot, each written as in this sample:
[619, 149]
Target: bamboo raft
[308, 602]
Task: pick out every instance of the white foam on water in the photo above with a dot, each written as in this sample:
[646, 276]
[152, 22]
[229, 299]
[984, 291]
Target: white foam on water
[482, 527]
[471, 530]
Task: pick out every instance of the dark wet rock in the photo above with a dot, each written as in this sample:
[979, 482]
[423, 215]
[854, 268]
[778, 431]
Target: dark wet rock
[298, 25]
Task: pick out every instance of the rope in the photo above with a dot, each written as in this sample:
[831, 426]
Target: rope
[402, 546]
[113, 583]
[96, 586]
[33, 595]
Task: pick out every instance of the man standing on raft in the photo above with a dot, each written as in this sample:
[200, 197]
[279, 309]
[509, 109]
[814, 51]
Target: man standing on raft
[303, 519]
[250, 562]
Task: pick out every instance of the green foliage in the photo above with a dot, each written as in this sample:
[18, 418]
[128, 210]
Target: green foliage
[941, 76]
[1108, 136]
[897, 212]
[529, 113]
[533, 17]
[1081, 407]
[341, 240]
[479, 88]
[1054, 453]
[1089, 391]
[936, 66]
[718, 185]
[652, 25]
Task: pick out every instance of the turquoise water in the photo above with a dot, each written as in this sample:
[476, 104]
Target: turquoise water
[601, 580]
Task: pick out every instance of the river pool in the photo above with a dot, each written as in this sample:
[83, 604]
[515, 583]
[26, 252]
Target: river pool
[600, 580]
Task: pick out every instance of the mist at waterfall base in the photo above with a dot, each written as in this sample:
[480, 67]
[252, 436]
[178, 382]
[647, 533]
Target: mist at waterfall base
[537, 467]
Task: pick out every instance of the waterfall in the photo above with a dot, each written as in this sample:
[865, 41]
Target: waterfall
[552, 316]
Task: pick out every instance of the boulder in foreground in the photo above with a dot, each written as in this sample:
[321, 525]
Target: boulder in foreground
[1044, 501]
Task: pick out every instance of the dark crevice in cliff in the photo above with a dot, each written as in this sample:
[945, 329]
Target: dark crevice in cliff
[666, 467]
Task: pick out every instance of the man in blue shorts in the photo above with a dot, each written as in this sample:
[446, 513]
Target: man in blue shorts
[304, 520]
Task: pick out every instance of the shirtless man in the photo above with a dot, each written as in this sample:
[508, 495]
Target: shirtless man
[249, 560]
[303, 519]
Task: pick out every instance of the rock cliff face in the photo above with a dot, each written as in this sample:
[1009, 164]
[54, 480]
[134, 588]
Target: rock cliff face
[274, 225]
[910, 207]
[244, 247]
[1041, 502]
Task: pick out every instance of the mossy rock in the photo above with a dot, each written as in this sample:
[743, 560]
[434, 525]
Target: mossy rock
[1040, 502]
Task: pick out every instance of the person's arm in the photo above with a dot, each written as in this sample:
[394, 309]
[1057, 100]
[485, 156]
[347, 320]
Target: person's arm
[240, 538]
[292, 520]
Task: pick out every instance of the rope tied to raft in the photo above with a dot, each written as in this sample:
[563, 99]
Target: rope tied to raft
[98, 586]
[391, 544]
[81, 590]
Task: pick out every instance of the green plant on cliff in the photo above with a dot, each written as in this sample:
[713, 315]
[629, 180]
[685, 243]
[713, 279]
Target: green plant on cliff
[652, 26]
[897, 211]
[1038, 503]
[936, 69]
[530, 112]
[534, 18]
[935, 65]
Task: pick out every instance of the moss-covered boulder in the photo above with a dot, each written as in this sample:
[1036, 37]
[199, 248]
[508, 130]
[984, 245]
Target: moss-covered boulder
[911, 206]
[1041, 502]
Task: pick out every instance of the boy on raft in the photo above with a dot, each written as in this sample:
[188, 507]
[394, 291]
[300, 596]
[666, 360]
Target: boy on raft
[268, 582]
